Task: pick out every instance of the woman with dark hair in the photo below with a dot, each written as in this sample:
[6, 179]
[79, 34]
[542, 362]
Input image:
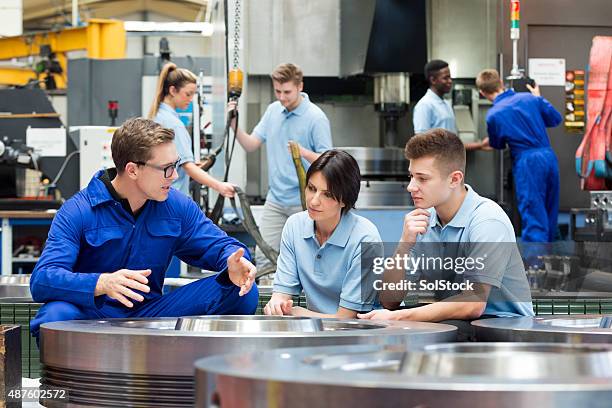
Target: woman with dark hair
[175, 89]
[321, 248]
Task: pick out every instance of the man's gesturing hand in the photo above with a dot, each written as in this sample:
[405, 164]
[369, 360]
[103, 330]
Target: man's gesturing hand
[241, 271]
[118, 285]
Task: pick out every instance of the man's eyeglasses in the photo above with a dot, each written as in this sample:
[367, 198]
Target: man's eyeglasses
[168, 170]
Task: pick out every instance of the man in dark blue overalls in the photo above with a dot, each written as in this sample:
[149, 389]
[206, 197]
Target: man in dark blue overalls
[109, 245]
[519, 120]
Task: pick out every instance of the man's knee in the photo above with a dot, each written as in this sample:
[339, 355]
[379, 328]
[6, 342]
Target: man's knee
[247, 304]
[54, 312]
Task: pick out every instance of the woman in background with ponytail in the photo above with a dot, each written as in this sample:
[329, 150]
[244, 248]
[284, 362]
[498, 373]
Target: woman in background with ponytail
[175, 89]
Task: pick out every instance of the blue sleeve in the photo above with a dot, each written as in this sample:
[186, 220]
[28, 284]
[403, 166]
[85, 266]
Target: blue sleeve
[421, 118]
[358, 292]
[182, 140]
[496, 140]
[550, 115]
[286, 279]
[203, 244]
[261, 130]
[320, 135]
[53, 277]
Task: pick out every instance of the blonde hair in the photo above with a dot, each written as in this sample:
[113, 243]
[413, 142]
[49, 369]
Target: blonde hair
[488, 81]
[169, 76]
[133, 141]
[287, 72]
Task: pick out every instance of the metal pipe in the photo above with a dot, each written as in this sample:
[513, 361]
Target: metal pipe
[75, 13]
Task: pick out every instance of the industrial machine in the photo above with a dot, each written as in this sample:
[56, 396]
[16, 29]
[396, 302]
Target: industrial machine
[557, 329]
[597, 219]
[48, 151]
[94, 144]
[149, 362]
[459, 375]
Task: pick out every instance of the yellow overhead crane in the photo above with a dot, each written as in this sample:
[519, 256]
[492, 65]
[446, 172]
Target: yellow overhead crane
[101, 38]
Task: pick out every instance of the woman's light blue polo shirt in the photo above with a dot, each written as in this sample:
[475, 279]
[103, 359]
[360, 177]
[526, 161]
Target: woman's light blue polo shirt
[331, 275]
[169, 118]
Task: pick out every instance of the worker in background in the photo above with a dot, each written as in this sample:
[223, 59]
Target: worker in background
[322, 248]
[433, 111]
[110, 244]
[452, 221]
[519, 121]
[293, 117]
[175, 89]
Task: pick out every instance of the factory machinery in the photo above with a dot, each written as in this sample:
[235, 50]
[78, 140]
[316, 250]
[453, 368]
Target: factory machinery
[149, 362]
[440, 375]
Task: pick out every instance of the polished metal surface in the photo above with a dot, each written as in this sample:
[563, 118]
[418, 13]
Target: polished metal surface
[443, 375]
[149, 362]
[553, 328]
[246, 324]
[392, 88]
[601, 199]
[378, 161]
[15, 286]
[383, 194]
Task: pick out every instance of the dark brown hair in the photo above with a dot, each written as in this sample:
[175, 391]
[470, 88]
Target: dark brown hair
[342, 175]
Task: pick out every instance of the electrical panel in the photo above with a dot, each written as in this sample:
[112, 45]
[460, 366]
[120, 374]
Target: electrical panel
[94, 144]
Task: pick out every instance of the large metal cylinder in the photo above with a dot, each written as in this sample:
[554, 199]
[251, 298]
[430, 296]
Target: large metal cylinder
[554, 328]
[149, 362]
[446, 375]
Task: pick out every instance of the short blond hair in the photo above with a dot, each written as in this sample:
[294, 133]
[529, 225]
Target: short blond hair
[488, 81]
[287, 73]
[133, 141]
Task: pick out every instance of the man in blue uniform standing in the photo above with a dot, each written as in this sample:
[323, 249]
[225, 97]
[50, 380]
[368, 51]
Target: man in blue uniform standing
[110, 244]
[519, 121]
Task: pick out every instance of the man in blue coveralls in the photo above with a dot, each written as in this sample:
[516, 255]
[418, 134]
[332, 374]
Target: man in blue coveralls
[519, 120]
[110, 244]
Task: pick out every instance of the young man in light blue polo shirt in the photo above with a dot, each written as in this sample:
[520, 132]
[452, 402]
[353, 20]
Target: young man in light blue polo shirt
[291, 118]
[432, 111]
[453, 222]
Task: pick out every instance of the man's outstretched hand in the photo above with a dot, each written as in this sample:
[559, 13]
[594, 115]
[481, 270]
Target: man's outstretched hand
[241, 271]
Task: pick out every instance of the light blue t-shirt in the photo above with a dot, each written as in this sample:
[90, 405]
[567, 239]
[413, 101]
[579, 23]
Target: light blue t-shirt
[169, 118]
[331, 275]
[433, 112]
[307, 125]
[482, 229]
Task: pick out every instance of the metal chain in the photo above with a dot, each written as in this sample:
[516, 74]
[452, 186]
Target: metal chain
[237, 15]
